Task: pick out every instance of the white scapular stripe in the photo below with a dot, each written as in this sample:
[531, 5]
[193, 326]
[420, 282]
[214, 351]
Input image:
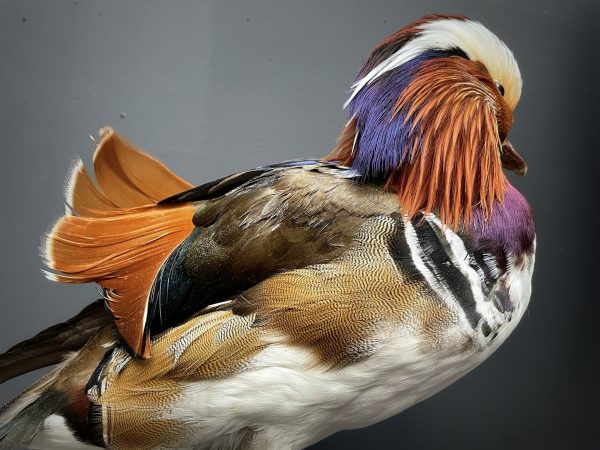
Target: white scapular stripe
[418, 257]
[458, 254]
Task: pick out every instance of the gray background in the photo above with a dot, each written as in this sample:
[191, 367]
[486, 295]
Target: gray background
[211, 87]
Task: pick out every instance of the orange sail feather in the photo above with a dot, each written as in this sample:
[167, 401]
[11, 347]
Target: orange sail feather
[117, 235]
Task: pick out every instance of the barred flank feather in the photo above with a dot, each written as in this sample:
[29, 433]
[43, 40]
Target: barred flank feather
[117, 236]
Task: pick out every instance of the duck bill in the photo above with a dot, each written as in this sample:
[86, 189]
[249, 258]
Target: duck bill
[511, 160]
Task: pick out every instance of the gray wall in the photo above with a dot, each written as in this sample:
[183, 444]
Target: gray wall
[215, 86]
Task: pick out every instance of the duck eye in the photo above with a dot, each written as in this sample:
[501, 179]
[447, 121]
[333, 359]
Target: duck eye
[500, 88]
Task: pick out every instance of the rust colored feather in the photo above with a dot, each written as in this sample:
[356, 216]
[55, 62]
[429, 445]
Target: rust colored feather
[117, 236]
[344, 146]
[458, 121]
[457, 165]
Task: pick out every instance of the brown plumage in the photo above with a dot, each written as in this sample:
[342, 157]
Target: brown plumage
[335, 309]
[327, 310]
[307, 242]
[196, 350]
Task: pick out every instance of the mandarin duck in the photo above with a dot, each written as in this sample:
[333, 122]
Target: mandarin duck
[273, 307]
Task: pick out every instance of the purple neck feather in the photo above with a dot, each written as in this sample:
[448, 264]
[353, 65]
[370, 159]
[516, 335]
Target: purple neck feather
[383, 141]
[511, 226]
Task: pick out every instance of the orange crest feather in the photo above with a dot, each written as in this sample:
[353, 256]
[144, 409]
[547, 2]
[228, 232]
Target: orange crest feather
[457, 121]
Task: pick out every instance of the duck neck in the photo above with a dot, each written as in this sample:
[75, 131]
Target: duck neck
[509, 228]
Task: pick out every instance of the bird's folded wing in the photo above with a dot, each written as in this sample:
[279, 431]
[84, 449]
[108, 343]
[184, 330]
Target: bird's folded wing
[287, 217]
[160, 262]
[320, 317]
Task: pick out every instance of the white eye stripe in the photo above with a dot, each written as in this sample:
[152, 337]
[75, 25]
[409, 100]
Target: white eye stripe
[407, 53]
[476, 41]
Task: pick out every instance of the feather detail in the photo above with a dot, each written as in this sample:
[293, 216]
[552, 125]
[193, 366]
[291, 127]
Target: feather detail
[455, 159]
[438, 144]
[117, 236]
